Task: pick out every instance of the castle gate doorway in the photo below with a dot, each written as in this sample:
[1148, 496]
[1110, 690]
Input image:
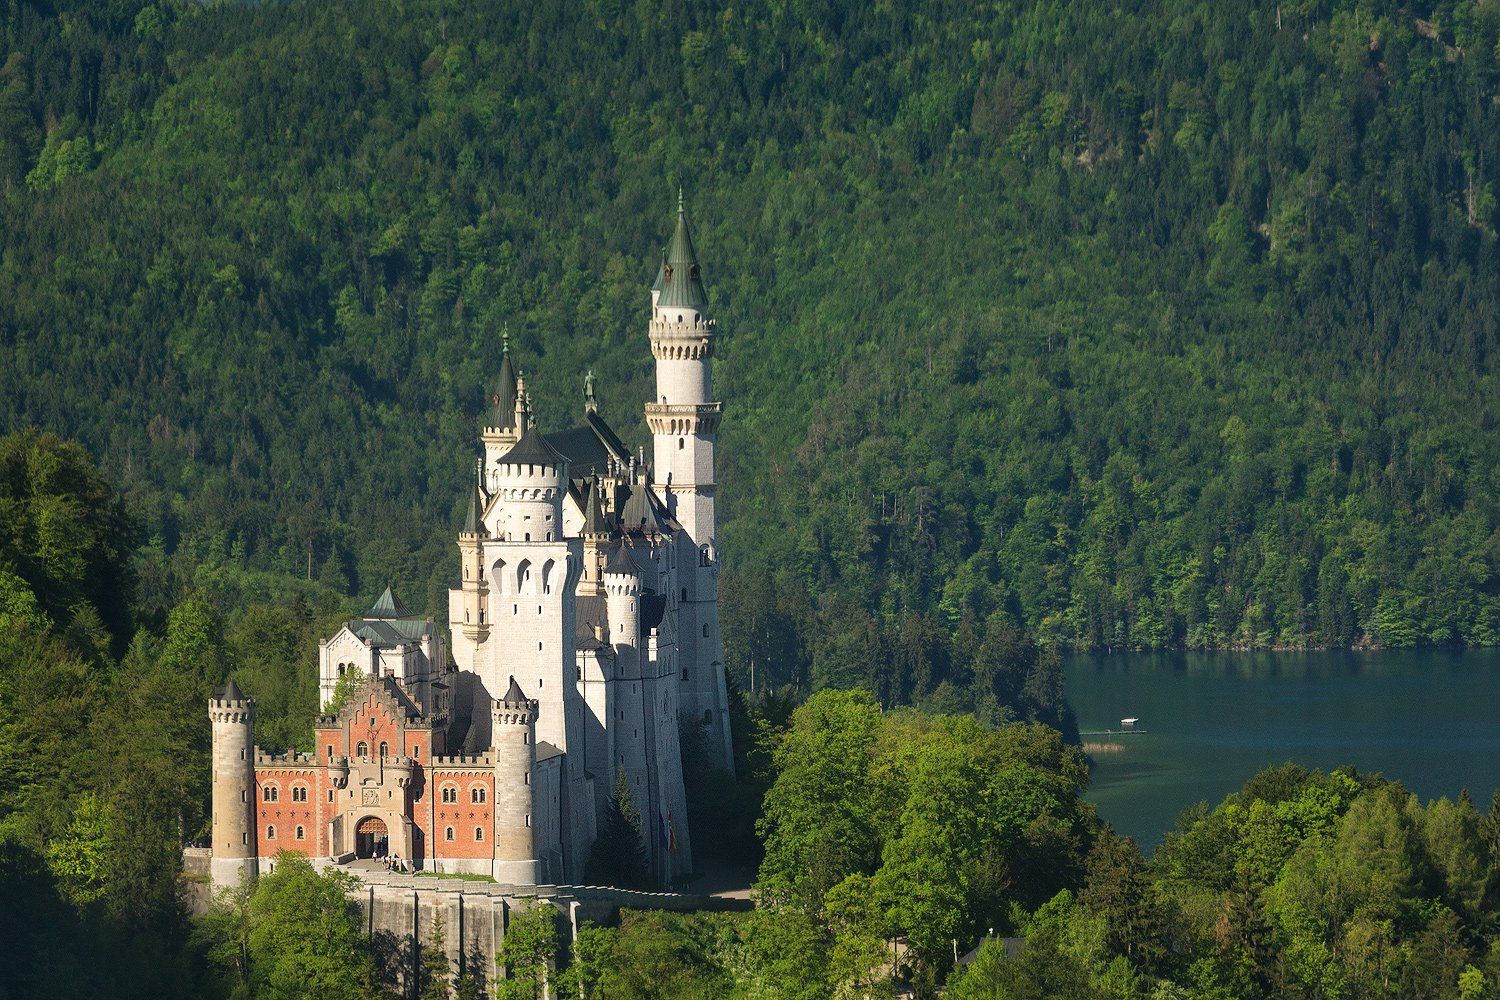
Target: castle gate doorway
[371, 839]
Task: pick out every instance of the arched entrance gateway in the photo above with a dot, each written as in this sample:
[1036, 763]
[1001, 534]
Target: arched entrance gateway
[371, 839]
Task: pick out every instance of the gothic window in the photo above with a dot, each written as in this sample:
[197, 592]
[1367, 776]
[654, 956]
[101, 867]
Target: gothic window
[450, 794]
[299, 793]
[362, 749]
[478, 834]
[385, 748]
[301, 834]
[448, 833]
[476, 794]
[270, 833]
[269, 794]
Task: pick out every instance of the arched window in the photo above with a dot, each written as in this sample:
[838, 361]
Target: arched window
[450, 794]
[705, 630]
[476, 794]
[684, 594]
[269, 794]
[478, 834]
[362, 749]
[341, 670]
[385, 748]
[681, 443]
[300, 834]
[448, 833]
[270, 833]
[299, 793]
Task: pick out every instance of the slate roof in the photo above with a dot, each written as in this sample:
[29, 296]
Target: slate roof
[514, 695]
[546, 751]
[230, 691]
[533, 449]
[590, 446]
[681, 278]
[643, 513]
[620, 561]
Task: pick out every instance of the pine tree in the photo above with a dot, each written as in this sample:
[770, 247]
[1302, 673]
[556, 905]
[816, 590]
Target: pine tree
[619, 857]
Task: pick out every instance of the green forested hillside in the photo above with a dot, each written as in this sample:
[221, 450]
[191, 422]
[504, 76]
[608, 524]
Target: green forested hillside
[1135, 324]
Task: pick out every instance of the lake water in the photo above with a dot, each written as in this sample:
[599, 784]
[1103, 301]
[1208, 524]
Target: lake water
[1430, 719]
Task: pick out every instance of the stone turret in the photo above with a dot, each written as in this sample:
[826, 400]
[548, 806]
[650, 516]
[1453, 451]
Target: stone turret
[622, 595]
[531, 479]
[233, 846]
[471, 555]
[514, 738]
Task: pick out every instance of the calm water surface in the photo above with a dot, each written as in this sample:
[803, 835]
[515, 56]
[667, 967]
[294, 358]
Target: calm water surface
[1430, 719]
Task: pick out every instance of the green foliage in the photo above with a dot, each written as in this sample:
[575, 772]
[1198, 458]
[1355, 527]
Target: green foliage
[618, 856]
[528, 954]
[303, 935]
[915, 828]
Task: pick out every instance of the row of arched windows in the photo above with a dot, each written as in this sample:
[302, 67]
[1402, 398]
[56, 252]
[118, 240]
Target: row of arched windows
[301, 833]
[476, 794]
[270, 793]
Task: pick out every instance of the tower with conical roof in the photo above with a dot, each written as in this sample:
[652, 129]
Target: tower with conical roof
[514, 726]
[684, 422]
[500, 432]
[233, 844]
[471, 555]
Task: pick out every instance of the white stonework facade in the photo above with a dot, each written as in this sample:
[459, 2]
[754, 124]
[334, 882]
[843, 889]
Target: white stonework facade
[584, 639]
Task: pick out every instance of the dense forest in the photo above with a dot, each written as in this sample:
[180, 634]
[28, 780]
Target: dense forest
[889, 840]
[1131, 325]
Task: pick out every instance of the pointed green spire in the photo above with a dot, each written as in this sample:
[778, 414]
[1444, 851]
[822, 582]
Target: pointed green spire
[593, 513]
[503, 397]
[471, 519]
[681, 279]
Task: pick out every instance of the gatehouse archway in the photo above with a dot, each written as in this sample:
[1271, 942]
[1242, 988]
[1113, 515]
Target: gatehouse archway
[371, 838]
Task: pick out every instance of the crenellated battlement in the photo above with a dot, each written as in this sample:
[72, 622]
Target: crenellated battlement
[684, 418]
[683, 340]
[462, 760]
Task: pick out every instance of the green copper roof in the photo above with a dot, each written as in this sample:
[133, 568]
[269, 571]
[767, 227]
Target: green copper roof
[660, 269]
[681, 279]
[388, 606]
[502, 412]
[471, 519]
[593, 513]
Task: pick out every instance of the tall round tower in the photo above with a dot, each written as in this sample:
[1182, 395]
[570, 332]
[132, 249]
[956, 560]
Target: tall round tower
[234, 844]
[684, 421]
[514, 746]
[531, 478]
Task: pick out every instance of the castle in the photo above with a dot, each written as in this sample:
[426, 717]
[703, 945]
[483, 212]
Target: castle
[584, 635]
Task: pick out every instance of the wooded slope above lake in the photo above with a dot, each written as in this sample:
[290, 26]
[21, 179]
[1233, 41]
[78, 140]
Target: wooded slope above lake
[1135, 324]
